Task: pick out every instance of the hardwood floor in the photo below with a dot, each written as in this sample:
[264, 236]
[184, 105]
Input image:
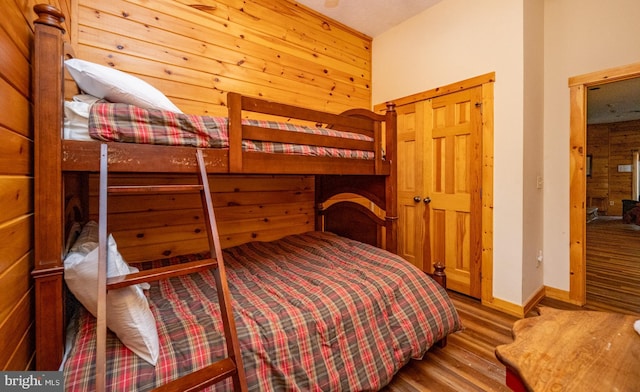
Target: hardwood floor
[468, 363]
[613, 265]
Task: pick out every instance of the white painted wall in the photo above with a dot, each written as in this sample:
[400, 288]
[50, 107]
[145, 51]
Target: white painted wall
[581, 36]
[532, 270]
[457, 40]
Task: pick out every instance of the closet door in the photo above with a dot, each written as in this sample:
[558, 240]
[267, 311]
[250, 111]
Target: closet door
[439, 186]
[453, 180]
[411, 229]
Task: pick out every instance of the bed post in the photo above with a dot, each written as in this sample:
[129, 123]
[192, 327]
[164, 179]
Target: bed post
[391, 181]
[48, 82]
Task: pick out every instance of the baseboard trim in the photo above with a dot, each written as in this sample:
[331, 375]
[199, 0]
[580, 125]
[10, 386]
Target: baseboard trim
[560, 295]
[505, 307]
[516, 310]
[535, 299]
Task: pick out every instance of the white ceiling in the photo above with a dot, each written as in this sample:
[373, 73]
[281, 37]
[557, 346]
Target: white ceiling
[371, 17]
[612, 102]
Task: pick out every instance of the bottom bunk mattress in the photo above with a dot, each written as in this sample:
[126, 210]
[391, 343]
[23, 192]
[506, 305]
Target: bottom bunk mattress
[313, 312]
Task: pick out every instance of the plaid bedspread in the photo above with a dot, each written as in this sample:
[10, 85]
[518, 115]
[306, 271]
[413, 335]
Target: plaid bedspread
[130, 124]
[314, 312]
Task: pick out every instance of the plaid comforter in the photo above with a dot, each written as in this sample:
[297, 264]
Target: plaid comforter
[130, 124]
[314, 312]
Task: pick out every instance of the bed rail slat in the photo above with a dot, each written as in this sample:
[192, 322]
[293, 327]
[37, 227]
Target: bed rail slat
[178, 188]
[202, 378]
[160, 273]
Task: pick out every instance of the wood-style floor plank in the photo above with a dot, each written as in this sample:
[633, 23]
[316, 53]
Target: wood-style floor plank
[613, 265]
[468, 363]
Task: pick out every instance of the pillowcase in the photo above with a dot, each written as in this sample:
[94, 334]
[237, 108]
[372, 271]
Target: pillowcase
[128, 312]
[76, 117]
[88, 240]
[117, 86]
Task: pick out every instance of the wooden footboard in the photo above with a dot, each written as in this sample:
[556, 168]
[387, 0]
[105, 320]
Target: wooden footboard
[439, 275]
[441, 278]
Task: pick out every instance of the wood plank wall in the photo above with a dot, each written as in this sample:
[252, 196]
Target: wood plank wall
[598, 183]
[196, 52]
[611, 145]
[16, 185]
[247, 208]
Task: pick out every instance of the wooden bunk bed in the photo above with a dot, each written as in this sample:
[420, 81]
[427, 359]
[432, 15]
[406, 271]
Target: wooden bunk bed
[62, 166]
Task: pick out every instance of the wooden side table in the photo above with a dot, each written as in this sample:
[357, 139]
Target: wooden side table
[563, 350]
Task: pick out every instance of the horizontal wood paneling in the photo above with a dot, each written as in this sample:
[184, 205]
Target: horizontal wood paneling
[195, 52]
[598, 183]
[624, 138]
[17, 16]
[15, 110]
[16, 153]
[16, 195]
[15, 237]
[247, 208]
[611, 145]
[17, 282]
[16, 184]
[15, 65]
[18, 328]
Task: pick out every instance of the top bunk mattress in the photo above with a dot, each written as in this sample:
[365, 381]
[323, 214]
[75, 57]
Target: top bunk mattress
[119, 122]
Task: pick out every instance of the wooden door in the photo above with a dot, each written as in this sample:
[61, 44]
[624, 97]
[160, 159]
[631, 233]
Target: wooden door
[452, 180]
[410, 139]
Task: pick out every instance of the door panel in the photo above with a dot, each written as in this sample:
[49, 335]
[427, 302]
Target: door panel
[453, 145]
[410, 183]
[439, 159]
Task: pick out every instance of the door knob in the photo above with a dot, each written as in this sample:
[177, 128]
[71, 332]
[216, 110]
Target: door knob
[417, 199]
[427, 200]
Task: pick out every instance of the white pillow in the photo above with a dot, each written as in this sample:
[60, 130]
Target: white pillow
[128, 312]
[117, 86]
[76, 120]
[88, 240]
[86, 98]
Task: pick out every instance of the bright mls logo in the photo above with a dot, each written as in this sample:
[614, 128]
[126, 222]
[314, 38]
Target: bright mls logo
[31, 381]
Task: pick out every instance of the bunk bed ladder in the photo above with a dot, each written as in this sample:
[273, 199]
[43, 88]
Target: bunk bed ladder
[231, 366]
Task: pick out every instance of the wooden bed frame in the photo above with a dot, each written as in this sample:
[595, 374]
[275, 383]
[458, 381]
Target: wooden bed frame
[61, 164]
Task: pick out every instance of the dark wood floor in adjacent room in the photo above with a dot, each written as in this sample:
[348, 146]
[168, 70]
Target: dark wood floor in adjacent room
[613, 265]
